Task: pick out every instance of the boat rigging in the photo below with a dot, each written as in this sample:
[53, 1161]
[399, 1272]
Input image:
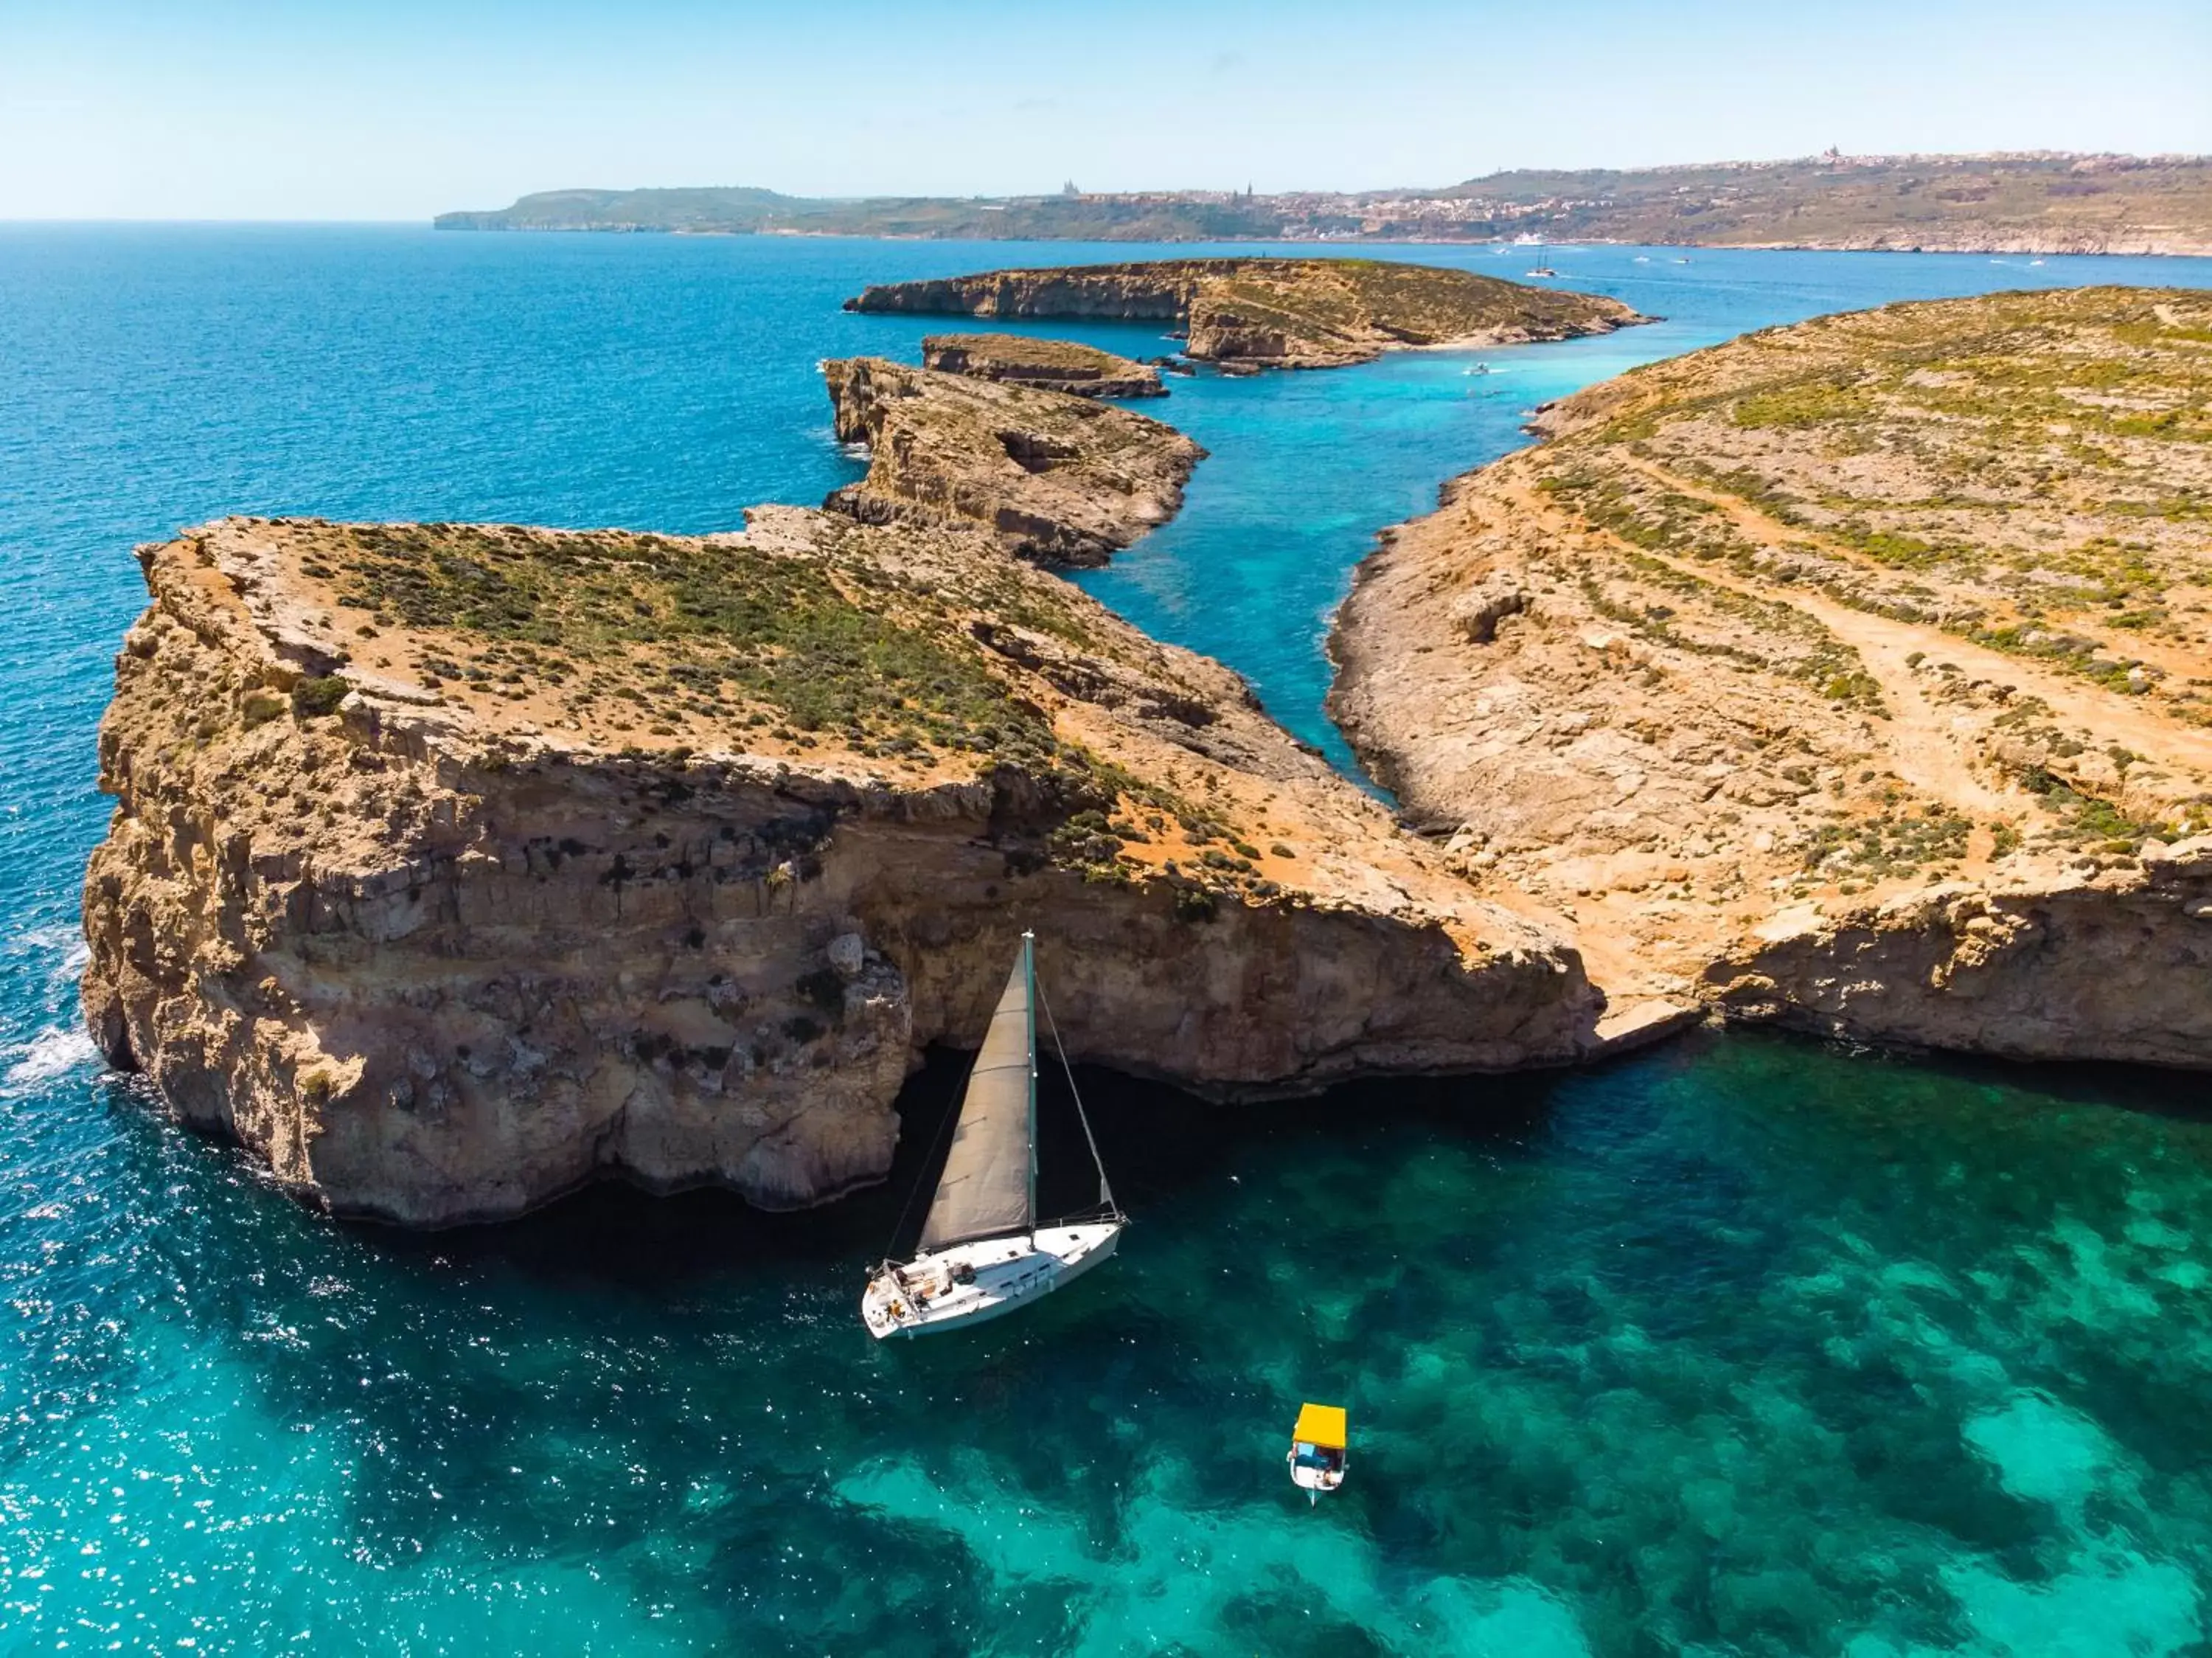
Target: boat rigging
[982, 1252]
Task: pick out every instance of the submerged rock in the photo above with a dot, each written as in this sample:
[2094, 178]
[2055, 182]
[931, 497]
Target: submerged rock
[1052, 365]
[1058, 478]
[1273, 313]
[452, 867]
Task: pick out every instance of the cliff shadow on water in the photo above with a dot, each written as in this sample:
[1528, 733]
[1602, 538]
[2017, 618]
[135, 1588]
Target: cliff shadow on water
[1161, 1147]
[1164, 1148]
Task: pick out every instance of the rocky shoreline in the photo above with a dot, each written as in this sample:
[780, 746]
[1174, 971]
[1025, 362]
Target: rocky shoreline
[1851, 675]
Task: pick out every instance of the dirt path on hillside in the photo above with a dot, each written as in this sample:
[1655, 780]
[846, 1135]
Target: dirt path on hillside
[2104, 716]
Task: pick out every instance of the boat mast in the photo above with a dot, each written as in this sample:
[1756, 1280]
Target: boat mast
[1029, 969]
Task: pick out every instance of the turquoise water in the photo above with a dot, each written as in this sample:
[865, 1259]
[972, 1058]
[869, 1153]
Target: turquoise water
[1744, 1346]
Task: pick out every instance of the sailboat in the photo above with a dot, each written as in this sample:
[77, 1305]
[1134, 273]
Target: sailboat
[982, 1252]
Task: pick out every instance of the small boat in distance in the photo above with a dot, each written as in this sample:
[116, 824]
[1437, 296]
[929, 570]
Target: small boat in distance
[982, 1252]
[1543, 271]
[1317, 1447]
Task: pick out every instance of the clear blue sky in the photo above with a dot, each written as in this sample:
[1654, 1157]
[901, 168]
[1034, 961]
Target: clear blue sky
[396, 109]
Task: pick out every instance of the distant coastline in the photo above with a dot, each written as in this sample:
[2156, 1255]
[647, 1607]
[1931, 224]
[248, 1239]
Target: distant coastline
[2027, 203]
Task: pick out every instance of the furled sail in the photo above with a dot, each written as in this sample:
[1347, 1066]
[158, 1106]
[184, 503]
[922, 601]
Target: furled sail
[987, 1188]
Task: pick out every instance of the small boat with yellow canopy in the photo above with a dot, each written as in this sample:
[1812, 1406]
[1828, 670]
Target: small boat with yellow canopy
[1317, 1447]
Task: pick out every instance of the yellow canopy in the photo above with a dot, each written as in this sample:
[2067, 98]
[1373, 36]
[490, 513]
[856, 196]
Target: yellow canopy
[1321, 1424]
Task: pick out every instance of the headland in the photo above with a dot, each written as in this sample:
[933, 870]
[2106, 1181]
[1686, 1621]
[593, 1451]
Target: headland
[1853, 674]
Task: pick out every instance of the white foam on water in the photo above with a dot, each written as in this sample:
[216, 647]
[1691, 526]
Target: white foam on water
[63, 943]
[47, 1058]
[57, 936]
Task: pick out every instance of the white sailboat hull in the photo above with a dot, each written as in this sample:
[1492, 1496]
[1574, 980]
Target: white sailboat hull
[972, 1283]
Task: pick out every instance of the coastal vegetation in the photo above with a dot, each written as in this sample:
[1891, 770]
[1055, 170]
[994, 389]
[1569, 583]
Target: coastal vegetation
[917, 653]
[641, 631]
[2024, 471]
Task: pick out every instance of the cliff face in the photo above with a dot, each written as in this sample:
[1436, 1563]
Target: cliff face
[1052, 365]
[1853, 674]
[1058, 478]
[1273, 313]
[1154, 291]
[2109, 964]
[452, 867]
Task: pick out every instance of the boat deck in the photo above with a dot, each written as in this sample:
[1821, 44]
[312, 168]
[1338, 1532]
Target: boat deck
[970, 1283]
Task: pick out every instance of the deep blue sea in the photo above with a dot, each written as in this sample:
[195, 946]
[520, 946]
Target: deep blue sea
[1743, 1346]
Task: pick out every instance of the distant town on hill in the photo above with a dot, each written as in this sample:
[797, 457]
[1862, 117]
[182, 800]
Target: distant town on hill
[2039, 203]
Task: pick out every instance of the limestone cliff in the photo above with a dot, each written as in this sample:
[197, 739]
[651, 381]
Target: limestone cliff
[452, 867]
[1059, 479]
[2110, 964]
[1855, 673]
[1052, 365]
[1273, 313]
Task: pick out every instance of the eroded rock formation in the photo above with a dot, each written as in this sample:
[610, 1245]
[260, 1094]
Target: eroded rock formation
[1273, 313]
[452, 867]
[1058, 478]
[1855, 674]
[1051, 365]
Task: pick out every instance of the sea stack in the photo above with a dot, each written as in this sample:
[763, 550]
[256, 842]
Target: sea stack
[1055, 477]
[1049, 365]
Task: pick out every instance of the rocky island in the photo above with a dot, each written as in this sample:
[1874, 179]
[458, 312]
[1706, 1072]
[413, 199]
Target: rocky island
[1273, 313]
[1056, 478]
[455, 866]
[1052, 365]
[1855, 674]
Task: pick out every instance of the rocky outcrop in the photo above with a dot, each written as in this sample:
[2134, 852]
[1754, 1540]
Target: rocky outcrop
[1058, 478]
[1052, 365]
[2113, 964]
[1273, 313]
[1852, 674]
[452, 867]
